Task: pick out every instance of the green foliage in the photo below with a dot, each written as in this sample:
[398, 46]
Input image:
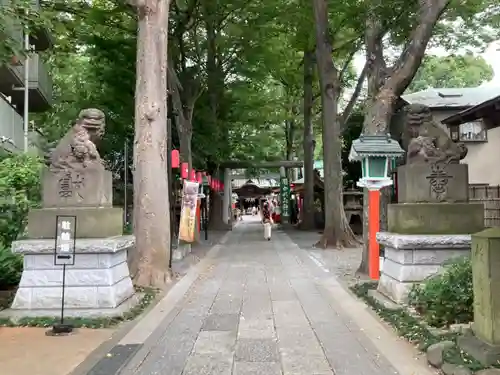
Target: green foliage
[415, 331]
[406, 325]
[16, 15]
[446, 298]
[19, 191]
[11, 268]
[450, 72]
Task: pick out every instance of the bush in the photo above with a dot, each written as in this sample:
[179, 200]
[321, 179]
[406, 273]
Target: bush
[19, 191]
[446, 298]
[11, 268]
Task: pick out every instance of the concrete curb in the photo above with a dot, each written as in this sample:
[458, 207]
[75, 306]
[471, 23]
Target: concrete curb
[398, 352]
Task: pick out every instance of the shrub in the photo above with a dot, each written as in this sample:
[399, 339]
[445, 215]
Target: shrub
[19, 191]
[446, 298]
[11, 268]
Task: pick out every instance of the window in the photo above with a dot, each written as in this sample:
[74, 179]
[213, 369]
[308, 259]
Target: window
[472, 131]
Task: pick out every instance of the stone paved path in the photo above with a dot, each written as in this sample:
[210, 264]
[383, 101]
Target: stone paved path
[261, 309]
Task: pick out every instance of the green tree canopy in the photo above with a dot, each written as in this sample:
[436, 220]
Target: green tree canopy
[451, 71]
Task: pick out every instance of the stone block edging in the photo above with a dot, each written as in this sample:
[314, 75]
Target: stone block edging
[424, 241]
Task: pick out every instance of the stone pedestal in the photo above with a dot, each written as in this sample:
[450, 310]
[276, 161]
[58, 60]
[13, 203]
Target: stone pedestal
[410, 259]
[92, 222]
[98, 284]
[484, 345]
[435, 218]
[74, 188]
[431, 224]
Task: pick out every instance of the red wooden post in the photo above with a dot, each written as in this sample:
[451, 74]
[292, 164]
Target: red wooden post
[373, 228]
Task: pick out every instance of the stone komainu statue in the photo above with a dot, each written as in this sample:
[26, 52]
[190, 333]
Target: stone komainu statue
[429, 142]
[77, 149]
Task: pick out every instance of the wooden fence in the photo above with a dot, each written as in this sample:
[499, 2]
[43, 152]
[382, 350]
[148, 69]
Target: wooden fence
[490, 197]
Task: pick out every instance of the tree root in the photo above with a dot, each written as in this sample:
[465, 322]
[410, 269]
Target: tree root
[149, 276]
[333, 242]
[346, 239]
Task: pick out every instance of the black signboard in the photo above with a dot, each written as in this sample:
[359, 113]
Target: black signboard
[64, 252]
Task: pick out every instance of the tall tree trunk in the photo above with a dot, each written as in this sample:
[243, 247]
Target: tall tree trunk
[151, 189]
[334, 234]
[308, 144]
[214, 86]
[385, 85]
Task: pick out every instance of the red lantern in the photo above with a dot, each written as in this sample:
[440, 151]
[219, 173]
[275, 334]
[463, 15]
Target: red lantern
[184, 170]
[192, 177]
[199, 177]
[216, 184]
[174, 159]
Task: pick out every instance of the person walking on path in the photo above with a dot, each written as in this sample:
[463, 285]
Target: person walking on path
[267, 221]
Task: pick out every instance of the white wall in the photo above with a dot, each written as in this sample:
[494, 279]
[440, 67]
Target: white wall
[483, 159]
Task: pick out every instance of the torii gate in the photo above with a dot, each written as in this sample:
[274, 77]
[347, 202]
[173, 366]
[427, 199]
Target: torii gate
[239, 164]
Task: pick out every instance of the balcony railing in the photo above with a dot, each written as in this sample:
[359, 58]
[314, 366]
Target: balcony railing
[11, 127]
[39, 78]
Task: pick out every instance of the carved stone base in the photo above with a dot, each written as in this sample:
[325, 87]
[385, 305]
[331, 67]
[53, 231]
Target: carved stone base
[410, 259]
[100, 222]
[99, 281]
[417, 183]
[86, 188]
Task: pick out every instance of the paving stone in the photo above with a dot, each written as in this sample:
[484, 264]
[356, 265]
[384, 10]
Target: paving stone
[257, 368]
[256, 328]
[257, 307]
[289, 314]
[221, 322]
[256, 350]
[299, 340]
[169, 356]
[227, 304]
[345, 354]
[262, 308]
[203, 364]
[215, 342]
[296, 363]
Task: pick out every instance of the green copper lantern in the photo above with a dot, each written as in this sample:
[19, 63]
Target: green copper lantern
[375, 152]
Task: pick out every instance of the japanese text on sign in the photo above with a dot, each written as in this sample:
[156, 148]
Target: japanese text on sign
[285, 197]
[65, 237]
[65, 240]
